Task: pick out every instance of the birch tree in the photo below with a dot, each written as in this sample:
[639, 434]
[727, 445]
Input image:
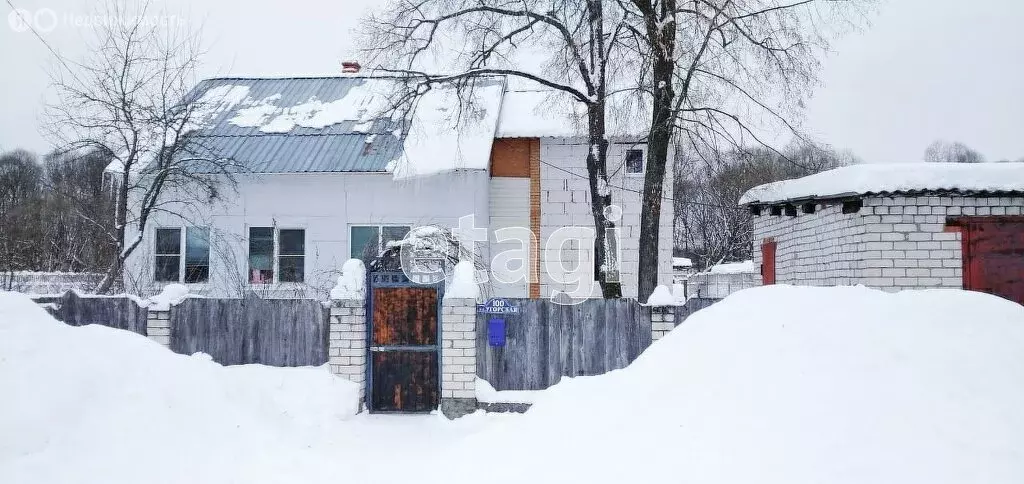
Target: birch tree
[130, 97]
[577, 39]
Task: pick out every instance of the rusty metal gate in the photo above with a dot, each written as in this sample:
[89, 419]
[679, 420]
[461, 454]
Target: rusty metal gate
[993, 255]
[404, 344]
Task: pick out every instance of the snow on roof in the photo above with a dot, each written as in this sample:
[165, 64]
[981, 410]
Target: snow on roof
[537, 113]
[253, 121]
[358, 105]
[217, 100]
[681, 262]
[549, 113]
[343, 124]
[897, 177]
[447, 136]
[745, 267]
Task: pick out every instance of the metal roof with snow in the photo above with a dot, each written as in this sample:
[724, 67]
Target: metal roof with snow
[867, 179]
[309, 124]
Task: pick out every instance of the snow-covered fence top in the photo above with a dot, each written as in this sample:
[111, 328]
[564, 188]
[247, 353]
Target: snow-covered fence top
[121, 312]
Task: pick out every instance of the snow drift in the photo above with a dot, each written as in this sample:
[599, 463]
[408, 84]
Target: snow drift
[773, 385]
[94, 404]
[792, 385]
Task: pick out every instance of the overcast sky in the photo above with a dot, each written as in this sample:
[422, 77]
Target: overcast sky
[924, 70]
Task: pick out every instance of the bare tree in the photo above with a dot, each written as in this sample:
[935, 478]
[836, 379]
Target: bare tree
[710, 225]
[78, 217]
[951, 152]
[54, 214]
[722, 74]
[21, 199]
[485, 37]
[130, 97]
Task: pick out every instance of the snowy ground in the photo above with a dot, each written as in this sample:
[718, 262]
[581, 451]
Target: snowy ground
[773, 385]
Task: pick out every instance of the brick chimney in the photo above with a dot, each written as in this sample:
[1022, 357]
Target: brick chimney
[350, 67]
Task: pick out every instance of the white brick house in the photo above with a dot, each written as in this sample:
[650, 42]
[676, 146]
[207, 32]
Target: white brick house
[903, 226]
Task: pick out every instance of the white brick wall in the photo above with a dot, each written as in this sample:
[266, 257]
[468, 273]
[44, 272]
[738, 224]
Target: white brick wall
[158, 327]
[458, 348]
[346, 350]
[819, 249]
[565, 201]
[663, 320]
[891, 243]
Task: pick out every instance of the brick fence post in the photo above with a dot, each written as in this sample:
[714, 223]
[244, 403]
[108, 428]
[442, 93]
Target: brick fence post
[158, 327]
[346, 349]
[663, 320]
[458, 357]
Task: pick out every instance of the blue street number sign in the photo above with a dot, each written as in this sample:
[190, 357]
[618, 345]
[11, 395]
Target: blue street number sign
[497, 306]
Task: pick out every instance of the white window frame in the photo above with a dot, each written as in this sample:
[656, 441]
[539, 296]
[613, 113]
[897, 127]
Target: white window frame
[182, 249]
[643, 162]
[380, 234]
[275, 257]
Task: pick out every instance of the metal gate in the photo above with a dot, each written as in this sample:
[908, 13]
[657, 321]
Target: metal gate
[404, 344]
[993, 255]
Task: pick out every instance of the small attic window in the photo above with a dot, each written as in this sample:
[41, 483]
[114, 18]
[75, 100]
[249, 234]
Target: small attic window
[791, 210]
[852, 206]
[776, 210]
[756, 210]
[634, 162]
[808, 208]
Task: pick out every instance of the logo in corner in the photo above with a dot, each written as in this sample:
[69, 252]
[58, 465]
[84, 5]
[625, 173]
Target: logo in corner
[19, 19]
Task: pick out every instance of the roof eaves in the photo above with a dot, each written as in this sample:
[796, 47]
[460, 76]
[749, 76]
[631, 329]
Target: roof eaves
[912, 193]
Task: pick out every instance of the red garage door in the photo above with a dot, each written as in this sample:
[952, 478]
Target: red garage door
[994, 256]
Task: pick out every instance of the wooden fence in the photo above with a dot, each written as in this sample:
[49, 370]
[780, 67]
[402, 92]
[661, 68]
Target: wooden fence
[275, 332]
[121, 312]
[545, 341]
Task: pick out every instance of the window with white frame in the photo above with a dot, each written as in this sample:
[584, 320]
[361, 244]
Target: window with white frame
[634, 162]
[276, 252]
[369, 241]
[191, 265]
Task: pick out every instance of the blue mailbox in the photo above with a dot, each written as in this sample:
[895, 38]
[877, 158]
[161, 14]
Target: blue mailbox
[496, 332]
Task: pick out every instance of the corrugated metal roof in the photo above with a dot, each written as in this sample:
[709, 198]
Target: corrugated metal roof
[366, 144]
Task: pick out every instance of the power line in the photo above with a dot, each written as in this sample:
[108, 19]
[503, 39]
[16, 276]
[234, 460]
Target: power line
[20, 13]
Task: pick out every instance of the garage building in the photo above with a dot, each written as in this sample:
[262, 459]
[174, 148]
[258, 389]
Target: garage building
[895, 226]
